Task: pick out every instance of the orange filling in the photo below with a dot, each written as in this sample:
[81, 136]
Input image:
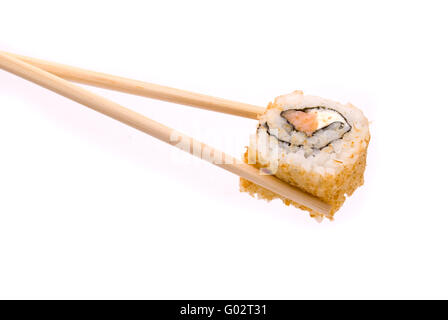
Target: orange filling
[303, 121]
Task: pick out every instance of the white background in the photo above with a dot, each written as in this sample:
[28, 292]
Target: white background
[90, 208]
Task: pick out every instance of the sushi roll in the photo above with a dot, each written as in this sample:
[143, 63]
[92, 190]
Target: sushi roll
[315, 144]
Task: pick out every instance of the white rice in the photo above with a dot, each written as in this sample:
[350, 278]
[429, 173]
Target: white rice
[328, 160]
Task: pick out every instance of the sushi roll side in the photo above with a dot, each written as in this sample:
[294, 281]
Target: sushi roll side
[315, 144]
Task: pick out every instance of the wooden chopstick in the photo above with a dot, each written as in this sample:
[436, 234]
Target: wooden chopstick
[155, 129]
[145, 89]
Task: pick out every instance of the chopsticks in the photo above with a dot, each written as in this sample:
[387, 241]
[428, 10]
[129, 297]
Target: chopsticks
[144, 89]
[155, 129]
